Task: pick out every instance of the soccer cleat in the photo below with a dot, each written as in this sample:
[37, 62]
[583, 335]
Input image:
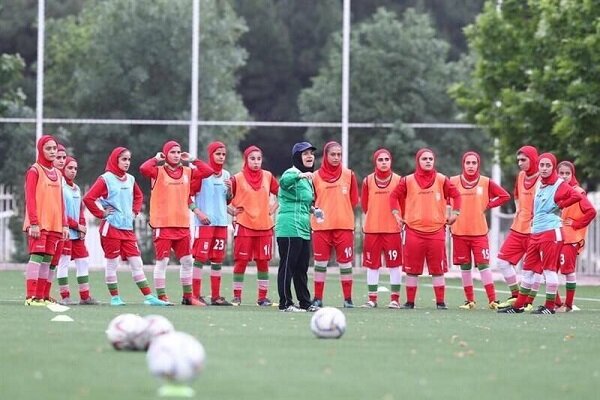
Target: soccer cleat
[494, 305]
[50, 300]
[441, 306]
[543, 310]
[508, 303]
[408, 306]
[116, 301]
[152, 300]
[510, 310]
[164, 297]
[190, 301]
[369, 304]
[66, 302]
[317, 303]
[348, 303]
[202, 300]
[35, 302]
[528, 307]
[469, 305]
[293, 309]
[90, 301]
[313, 308]
[219, 301]
[264, 302]
[236, 301]
[394, 304]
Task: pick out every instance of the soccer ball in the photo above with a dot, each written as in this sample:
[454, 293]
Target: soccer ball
[176, 357]
[127, 332]
[157, 325]
[328, 323]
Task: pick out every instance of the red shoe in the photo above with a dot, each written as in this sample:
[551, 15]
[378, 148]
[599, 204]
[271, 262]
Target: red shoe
[164, 298]
[190, 301]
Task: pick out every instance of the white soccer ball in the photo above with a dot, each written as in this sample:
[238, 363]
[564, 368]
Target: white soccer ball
[157, 325]
[176, 356]
[328, 323]
[127, 332]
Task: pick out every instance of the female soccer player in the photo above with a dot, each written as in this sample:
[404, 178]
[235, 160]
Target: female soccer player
[45, 221]
[382, 234]
[121, 200]
[546, 240]
[296, 196]
[253, 210]
[170, 215]
[469, 233]
[211, 196]
[336, 195]
[74, 248]
[425, 194]
[576, 219]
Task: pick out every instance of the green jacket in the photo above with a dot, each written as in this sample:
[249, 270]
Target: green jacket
[295, 197]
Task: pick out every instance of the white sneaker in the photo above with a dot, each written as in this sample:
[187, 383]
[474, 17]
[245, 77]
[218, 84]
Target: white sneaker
[294, 308]
[394, 304]
[369, 304]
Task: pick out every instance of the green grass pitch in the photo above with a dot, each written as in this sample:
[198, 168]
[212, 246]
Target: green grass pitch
[256, 353]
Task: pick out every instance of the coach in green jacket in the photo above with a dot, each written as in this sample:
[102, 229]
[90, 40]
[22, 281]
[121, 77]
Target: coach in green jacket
[296, 197]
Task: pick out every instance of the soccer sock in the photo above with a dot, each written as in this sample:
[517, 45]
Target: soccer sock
[137, 272]
[32, 272]
[51, 276]
[372, 283]
[160, 276]
[571, 285]
[62, 273]
[488, 281]
[40, 289]
[239, 268]
[185, 275]
[215, 280]
[551, 288]
[346, 280]
[467, 281]
[110, 276]
[525, 287]
[395, 283]
[439, 287]
[197, 279]
[411, 288]
[262, 275]
[510, 277]
[83, 278]
[557, 300]
[535, 287]
[319, 278]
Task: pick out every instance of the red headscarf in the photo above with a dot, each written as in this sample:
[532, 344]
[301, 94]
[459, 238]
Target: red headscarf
[424, 178]
[328, 172]
[554, 175]
[254, 178]
[166, 148]
[531, 153]
[67, 161]
[212, 147]
[571, 166]
[112, 164]
[378, 173]
[43, 161]
[475, 176]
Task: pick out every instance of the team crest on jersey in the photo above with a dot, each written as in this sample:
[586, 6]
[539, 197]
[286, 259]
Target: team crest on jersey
[479, 190]
[344, 190]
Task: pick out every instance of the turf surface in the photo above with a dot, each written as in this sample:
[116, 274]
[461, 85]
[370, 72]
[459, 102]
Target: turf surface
[261, 353]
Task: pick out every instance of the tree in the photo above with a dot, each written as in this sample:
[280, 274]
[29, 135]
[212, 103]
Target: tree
[536, 79]
[399, 73]
[124, 59]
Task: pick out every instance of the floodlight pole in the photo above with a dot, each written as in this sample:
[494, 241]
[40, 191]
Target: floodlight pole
[345, 81]
[193, 133]
[39, 100]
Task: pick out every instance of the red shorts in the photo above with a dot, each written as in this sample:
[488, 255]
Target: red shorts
[514, 247]
[340, 239]
[250, 248]
[60, 246]
[467, 248]
[66, 248]
[114, 247]
[47, 243]
[568, 258]
[210, 243]
[389, 244]
[420, 248]
[78, 249]
[543, 252]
